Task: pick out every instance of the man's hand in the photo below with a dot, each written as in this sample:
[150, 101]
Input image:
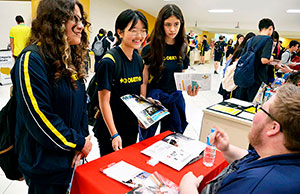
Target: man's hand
[286, 69]
[87, 146]
[117, 143]
[189, 183]
[220, 139]
[194, 91]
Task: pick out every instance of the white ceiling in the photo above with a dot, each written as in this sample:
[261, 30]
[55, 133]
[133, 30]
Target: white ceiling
[246, 12]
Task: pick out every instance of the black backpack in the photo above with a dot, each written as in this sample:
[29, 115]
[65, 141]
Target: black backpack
[244, 74]
[8, 157]
[93, 109]
[218, 47]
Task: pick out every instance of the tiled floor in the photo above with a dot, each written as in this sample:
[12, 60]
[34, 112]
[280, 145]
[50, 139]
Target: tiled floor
[194, 107]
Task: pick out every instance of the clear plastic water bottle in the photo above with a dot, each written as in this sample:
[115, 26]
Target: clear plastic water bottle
[209, 152]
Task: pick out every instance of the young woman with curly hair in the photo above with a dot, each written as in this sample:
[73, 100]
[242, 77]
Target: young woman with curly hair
[166, 54]
[51, 129]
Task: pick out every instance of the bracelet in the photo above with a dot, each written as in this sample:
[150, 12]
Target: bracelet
[114, 136]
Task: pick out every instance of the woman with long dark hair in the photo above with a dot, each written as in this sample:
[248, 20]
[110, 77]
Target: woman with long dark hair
[117, 126]
[166, 54]
[51, 129]
[236, 55]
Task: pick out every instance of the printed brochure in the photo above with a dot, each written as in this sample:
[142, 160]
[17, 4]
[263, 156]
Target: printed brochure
[176, 150]
[146, 111]
[183, 80]
[139, 180]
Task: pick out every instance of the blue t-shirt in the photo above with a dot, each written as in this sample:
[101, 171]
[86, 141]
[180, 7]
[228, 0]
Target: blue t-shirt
[167, 81]
[274, 174]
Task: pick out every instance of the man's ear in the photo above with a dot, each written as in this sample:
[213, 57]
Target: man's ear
[298, 84]
[274, 129]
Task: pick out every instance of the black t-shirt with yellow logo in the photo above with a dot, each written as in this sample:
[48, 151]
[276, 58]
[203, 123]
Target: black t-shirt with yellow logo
[129, 82]
[167, 81]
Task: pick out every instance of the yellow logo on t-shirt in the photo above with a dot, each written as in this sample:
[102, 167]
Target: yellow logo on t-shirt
[130, 80]
[171, 58]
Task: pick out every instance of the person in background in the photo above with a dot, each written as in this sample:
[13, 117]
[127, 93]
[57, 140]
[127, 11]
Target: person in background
[18, 36]
[238, 51]
[235, 57]
[190, 40]
[239, 41]
[262, 59]
[52, 128]
[273, 166]
[101, 36]
[219, 50]
[166, 54]
[275, 55]
[230, 49]
[203, 48]
[111, 39]
[117, 126]
[282, 49]
[286, 58]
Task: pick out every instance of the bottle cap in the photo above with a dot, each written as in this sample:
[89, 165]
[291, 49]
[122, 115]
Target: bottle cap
[212, 130]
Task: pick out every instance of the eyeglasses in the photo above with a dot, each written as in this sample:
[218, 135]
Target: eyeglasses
[135, 32]
[269, 115]
[77, 19]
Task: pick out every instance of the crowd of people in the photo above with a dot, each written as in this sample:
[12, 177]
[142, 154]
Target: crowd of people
[52, 132]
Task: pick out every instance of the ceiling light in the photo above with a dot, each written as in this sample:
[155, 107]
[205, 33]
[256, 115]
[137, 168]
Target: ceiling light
[220, 11]
[293, 11]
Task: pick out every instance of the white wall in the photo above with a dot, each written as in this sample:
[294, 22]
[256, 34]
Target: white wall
[103, 14]
[9, 10]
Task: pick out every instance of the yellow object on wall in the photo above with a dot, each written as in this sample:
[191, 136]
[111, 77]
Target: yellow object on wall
[34, 5]
[286, 41]
[150, 18]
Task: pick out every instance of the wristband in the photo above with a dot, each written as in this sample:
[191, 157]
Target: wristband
[114, 136]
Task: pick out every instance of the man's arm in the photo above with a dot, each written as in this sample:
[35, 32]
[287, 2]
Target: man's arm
[189, 183]
[12, 45]
[230, 152]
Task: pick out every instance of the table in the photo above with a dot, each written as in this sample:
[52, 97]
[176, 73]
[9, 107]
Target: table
[236, 128]
[88, 178]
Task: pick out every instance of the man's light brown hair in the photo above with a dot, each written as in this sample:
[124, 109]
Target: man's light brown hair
[286, 110]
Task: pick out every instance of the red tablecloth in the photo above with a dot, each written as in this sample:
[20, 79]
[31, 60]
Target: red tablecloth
[89, 180]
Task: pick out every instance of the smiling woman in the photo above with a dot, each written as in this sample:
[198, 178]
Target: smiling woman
[52, 131]
[117, 126]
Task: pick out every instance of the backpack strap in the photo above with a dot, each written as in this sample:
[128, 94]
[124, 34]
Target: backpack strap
[114, 55]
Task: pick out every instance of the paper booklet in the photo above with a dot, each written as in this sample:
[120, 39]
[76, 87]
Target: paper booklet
[183, 80]
[139, 180]
[147, 112]
[176, 150]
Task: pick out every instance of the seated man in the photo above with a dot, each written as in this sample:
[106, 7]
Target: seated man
[274, 165]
